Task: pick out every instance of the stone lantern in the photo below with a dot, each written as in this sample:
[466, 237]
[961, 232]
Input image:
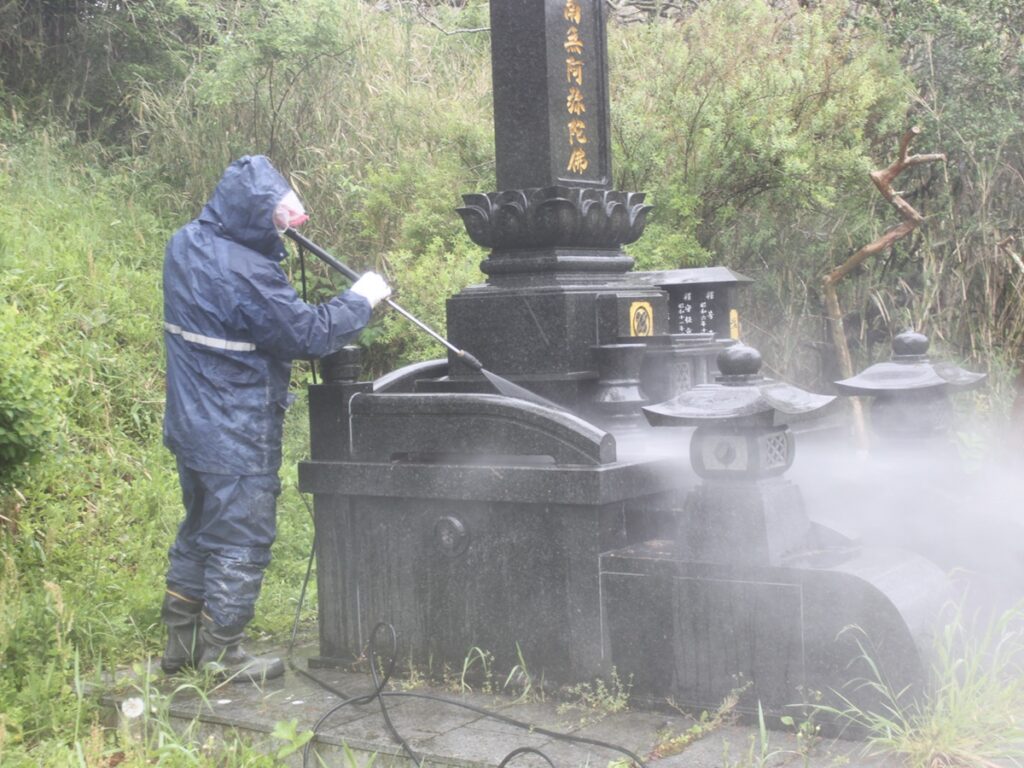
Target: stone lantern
[750, 593]
[743, 511]
[910, 393]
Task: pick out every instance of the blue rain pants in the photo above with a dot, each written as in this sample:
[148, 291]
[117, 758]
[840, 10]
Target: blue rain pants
[223, 545]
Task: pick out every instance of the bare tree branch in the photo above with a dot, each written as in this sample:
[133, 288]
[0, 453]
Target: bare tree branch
[912, 219]
[438, 27]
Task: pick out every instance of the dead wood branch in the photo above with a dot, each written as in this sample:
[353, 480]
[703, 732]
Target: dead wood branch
[423, 15]
[883, 180]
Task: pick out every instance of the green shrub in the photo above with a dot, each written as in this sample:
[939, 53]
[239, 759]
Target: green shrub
[28, 401]
[80, 262]
[424, 281]
[378, 120]
[752, 129]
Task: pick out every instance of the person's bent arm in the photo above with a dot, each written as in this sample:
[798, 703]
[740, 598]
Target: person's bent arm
[287, 327]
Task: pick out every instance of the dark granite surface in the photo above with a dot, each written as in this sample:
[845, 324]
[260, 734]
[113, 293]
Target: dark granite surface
[538, 74]
[471, 521]
[698, 631]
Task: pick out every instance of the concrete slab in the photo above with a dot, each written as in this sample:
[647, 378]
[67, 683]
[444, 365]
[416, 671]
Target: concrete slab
[444, 730]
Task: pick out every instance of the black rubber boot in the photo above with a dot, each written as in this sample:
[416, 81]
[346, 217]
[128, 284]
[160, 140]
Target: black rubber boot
[223, 655]
[184, 645]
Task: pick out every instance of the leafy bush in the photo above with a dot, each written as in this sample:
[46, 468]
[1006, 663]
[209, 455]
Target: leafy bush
[752, 129]
[80, 584]
[425, 280]
[961, 278]
[28, 401]
[74, 62]
[379, 122]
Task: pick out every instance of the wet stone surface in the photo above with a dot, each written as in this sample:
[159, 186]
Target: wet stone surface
[445, 732]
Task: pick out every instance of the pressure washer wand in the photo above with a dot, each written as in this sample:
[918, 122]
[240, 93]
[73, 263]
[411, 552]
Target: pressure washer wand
[324, 256]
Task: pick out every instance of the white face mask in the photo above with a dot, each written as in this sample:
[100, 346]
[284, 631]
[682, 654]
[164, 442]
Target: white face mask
[289, 213]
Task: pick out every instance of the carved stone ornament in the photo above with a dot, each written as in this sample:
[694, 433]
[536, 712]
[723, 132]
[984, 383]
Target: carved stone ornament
[910, 371]
[741, 397]
[554, 217]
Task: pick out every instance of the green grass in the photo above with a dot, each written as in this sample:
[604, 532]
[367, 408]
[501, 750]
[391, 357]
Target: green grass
[88, 523]
[970, 717]
[80, 579]
[598, 699]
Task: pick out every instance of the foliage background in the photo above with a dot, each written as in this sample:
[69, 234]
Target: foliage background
[751, 125]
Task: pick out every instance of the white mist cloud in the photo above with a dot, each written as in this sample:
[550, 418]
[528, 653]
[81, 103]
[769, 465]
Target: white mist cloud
[967, 517]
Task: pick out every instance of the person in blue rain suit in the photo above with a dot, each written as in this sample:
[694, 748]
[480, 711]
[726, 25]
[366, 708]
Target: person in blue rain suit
[232, 325]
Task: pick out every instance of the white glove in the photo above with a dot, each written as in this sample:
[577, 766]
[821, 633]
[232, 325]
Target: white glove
[371, 287]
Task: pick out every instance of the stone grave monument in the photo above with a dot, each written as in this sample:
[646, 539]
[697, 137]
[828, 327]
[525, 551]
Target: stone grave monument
[562, 536]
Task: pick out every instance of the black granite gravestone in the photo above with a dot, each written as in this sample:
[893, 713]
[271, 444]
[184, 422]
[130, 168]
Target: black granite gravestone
[470, 520]
[557, 276]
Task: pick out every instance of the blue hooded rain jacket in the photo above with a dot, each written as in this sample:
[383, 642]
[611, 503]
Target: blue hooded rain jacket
[233, 324]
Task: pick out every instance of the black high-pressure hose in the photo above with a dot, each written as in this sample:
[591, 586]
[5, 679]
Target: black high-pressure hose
[379, 682]
[379, 694]
[524, 751]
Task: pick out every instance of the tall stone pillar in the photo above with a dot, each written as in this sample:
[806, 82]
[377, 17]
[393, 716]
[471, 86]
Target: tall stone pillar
[557, 283]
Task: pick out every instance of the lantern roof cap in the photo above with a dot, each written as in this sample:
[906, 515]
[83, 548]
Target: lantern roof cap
[741, 396]
[910, 369]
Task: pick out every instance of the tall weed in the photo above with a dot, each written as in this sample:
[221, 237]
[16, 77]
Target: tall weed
[970, 715]
[379, 121]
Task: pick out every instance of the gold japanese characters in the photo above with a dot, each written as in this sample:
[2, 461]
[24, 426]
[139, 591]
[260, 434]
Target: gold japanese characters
[575, 104]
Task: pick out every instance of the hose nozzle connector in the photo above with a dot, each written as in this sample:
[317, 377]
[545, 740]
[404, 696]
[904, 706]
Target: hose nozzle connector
[471, 361]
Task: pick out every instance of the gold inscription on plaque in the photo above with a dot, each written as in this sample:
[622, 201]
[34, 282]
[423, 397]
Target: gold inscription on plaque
[574, 102]
[574, 70]
[734, 324]
[572, 43]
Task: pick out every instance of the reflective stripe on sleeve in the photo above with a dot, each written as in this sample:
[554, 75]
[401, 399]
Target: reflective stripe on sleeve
[207, 341]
